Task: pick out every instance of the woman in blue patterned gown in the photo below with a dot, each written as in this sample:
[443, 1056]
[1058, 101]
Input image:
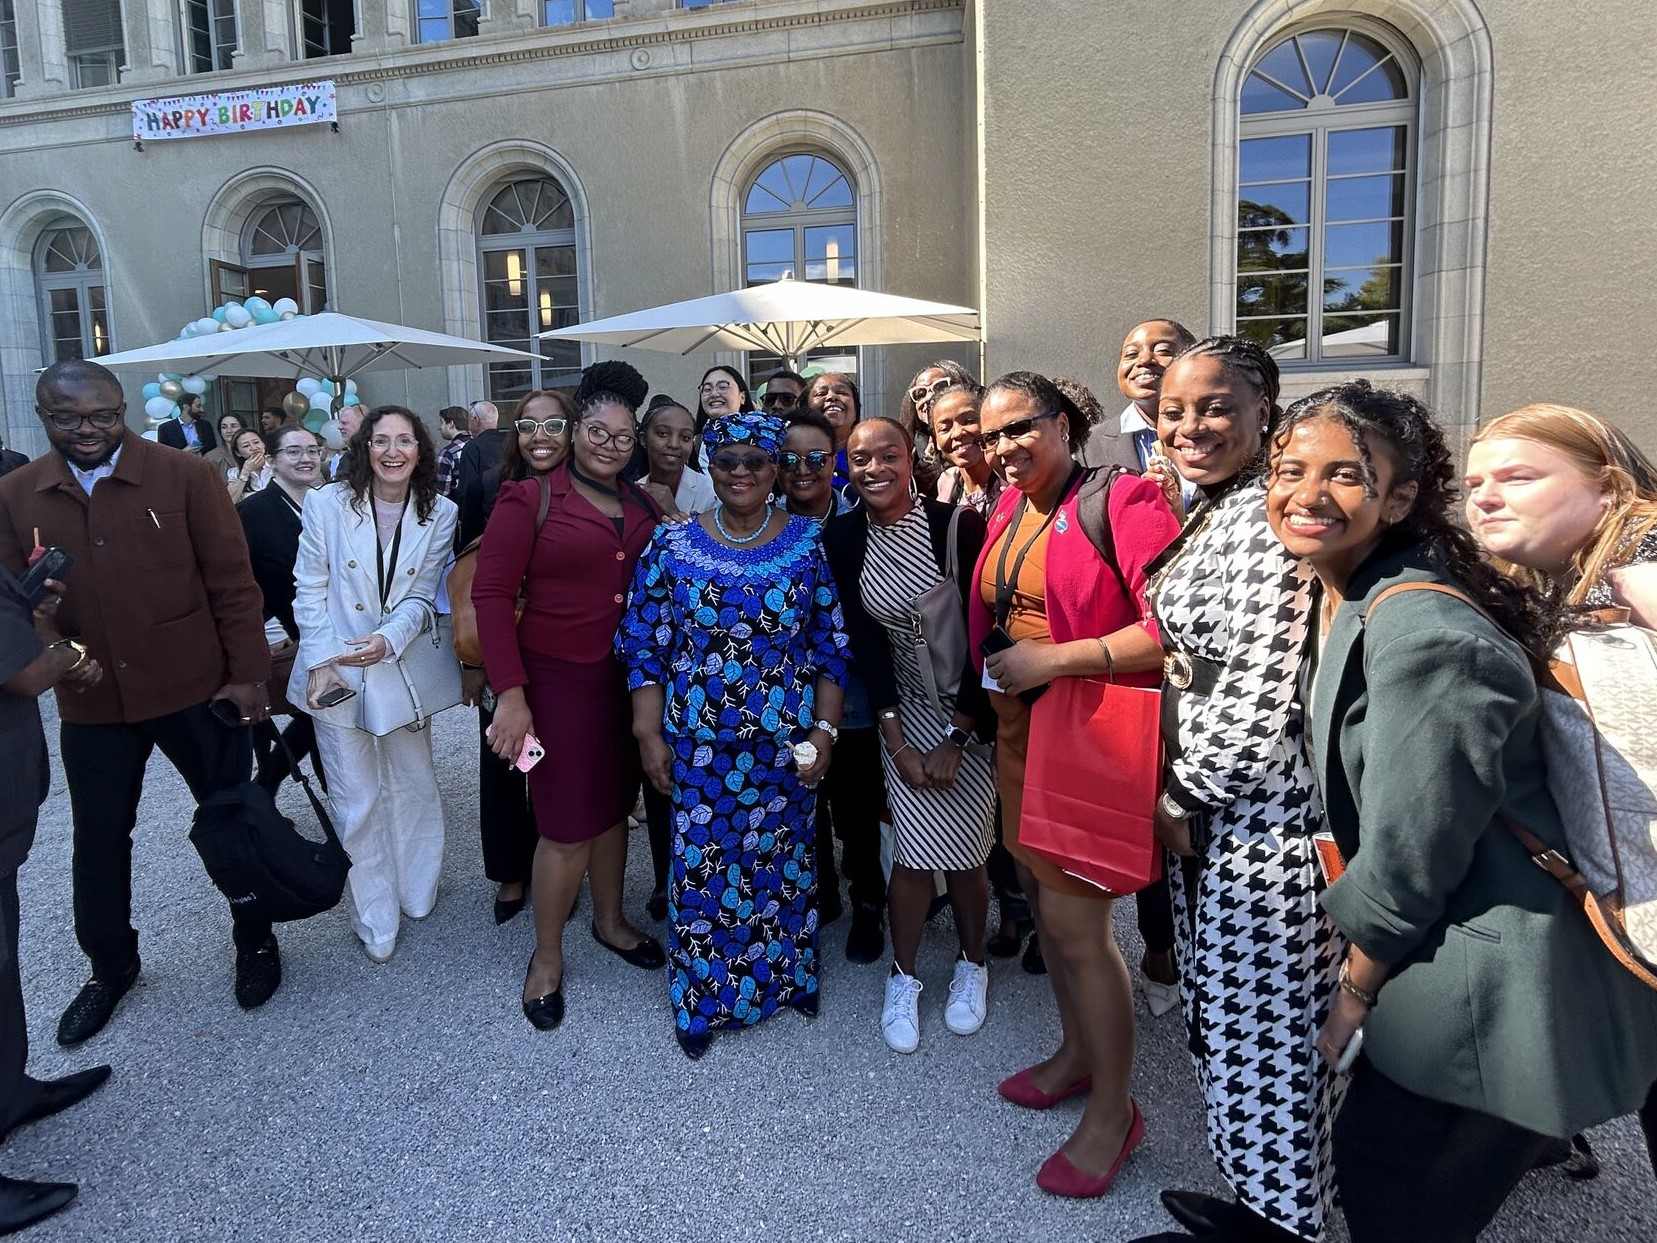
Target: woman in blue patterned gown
[732, 639]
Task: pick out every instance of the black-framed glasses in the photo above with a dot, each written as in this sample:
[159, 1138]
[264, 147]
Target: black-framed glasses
[730, 463]
[1019, 430]
[66, 422]
[552, 427]
[923, 393]
[604, 438]
[783, 401]
[815, 460]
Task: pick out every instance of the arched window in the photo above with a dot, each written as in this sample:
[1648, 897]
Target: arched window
[282, 256]
[526, 252]
[74, 308]
[799, 218]
[1325, 195]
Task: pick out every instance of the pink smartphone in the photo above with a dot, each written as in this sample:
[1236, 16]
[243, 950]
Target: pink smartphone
[531, 754]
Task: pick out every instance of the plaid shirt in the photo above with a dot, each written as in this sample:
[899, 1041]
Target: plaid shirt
[448, 464]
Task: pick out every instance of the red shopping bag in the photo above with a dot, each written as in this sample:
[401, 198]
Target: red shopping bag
[1091, 781]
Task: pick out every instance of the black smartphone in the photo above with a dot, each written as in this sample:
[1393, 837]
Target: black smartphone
[228, 714]
[53, 563]
[998, 640]
[334, 695]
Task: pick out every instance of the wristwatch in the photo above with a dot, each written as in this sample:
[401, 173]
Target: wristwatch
[958, 736]
[77, 647]
[1171, 809]
[833, 731]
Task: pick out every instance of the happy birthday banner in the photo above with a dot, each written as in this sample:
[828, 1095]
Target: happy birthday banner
[232, 112]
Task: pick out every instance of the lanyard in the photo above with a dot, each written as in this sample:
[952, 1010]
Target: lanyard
[1003, 585]
[387, 575]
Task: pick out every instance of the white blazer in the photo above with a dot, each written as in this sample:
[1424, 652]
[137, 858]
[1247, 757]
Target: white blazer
[337, 591]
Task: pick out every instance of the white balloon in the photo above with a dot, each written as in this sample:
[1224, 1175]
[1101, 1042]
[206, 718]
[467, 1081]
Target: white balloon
[160, 407]
[237, 316]
[194, 384]
[287, 315]
[285, 307]
[227, 326]
[149, 435]
[310, 386]
[205, 325]
[331, 434]
[322, 401]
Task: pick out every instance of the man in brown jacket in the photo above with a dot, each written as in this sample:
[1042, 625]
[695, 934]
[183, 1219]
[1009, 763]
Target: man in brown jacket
[163, 597]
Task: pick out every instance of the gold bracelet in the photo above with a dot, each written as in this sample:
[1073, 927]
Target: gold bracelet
[1348, 987]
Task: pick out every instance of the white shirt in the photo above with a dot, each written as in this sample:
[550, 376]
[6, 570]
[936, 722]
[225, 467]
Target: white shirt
[695, 494]
[89, 478]
[1133, 421]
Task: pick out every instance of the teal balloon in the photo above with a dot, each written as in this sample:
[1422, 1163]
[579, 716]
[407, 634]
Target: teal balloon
[315, 420]
[218, 314]
[256, 305]
[152, 389]
[265, 316]
[174, 376]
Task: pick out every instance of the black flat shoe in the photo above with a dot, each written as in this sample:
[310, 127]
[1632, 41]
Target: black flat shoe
[1006, 945]
[56, 1095]
[809, 1004]
[647, 954]
[258, 974]
[693, 1045]
[507, 911]
[22, 1203]
[93, 1006]
[1199, 1213]
[656, 908]
[1033, 962]
[545, 1012]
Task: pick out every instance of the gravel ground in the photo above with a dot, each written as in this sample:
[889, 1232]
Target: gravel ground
[413, 1101]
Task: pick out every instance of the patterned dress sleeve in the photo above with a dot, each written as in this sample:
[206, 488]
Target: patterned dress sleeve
[825, 628]
[1229, 735]
[648, 622]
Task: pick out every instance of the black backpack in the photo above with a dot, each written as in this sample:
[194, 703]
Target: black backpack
[260, 861]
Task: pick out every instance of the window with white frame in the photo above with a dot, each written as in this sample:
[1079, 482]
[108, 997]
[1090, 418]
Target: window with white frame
[9, 72]
[436, 20]
[799, 219]
[530, 283]
[74, 303]
[93, 42]
[569, 12]
[1325, 196]
[326, 27]
[209, 28]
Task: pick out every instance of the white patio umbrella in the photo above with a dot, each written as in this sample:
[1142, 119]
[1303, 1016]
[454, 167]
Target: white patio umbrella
[786, 317]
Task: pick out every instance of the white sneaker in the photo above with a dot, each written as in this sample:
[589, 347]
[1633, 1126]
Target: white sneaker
[969, 998]
[900, 1019]
[1160, 998]
[379, 954]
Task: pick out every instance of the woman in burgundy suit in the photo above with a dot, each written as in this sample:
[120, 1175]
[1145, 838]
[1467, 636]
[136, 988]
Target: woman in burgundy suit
[555, 676]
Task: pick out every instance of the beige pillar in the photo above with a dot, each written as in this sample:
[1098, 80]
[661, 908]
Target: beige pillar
[152, 41]
[265, 33]
[43, 65]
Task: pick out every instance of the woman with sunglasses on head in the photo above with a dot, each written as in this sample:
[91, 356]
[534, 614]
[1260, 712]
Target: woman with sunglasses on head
[734, 649]
[537, 442]
[1239, 805]
[672, 470]
[1049, 603]
[890, 551]
[1493, 1017]
[372, 547]
[555, 677]
[915, 415]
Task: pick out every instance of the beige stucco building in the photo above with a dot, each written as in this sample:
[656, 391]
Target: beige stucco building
[1447, 195]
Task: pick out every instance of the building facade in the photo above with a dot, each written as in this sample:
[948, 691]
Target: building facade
[1445, 196]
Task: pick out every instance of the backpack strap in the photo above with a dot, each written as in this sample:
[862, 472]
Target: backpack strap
[1095, 518]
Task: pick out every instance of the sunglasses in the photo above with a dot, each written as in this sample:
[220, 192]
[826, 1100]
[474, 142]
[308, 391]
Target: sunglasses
[69, 422]
[552, 427]
[730, 463]
[922, 393]
[1019, 430]
[785, 401]
[815, 460]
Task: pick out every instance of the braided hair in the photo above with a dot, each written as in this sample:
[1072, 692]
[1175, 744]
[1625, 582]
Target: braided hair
[610, 383]
[1402, 427]
[1245, 359]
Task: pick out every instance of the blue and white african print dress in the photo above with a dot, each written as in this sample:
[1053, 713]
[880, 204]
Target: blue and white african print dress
[737, 637]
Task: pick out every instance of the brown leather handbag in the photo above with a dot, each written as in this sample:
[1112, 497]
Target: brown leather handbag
[465, 568]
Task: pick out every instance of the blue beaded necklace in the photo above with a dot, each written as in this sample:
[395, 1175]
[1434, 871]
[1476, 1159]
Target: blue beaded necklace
[758, 531]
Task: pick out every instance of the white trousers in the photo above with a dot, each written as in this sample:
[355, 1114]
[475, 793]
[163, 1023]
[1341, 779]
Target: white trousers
[389, 815]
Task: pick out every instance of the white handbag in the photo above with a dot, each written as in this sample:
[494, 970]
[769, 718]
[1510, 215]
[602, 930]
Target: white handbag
[407, 691]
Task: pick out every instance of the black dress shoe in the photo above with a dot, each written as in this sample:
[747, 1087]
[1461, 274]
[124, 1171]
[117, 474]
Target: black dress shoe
[656, 908]
[809, 1004]
[507, 911]
[545, 1012]
[693, 1044]
[1006, 945]
[1199, 1213]
[866, 942]
[24, 1203]
[56, 1095]
[93, 1005]
[258, 974]
[646, 954]
[1033, 962]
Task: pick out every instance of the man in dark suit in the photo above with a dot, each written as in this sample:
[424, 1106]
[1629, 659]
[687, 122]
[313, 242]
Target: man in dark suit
[190, 430]
[162, 595]
[33, 659]
[483, 451]
[271, 523]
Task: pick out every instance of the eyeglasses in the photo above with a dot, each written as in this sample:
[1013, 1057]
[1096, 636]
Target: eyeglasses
[815, 460]
[784, 401]
[604, 438]
[924, 393]
[1019, 430]
[404, 443]
[65, 422]
[719, 386]
[296, 453]
[552, 427]
[730, 463]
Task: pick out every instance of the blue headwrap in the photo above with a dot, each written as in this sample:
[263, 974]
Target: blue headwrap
[765, 432]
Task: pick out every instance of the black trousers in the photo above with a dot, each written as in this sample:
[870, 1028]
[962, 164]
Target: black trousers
[658, 822]
[506, 822]
[1648, 1124]
[105, 767]
[1154, 910]
[17, 1090]
[1416, 1169]
[1003, 875]
[850, 804]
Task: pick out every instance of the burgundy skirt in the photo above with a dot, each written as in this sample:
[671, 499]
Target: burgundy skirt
[583, 716]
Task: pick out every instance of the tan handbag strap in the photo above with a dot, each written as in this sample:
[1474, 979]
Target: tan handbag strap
[1400, 588]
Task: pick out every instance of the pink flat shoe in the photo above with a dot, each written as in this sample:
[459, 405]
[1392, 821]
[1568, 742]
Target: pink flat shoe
[1022, 1091]
[1059, 1177]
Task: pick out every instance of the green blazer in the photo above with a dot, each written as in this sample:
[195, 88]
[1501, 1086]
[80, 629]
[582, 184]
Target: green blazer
[1424, 731]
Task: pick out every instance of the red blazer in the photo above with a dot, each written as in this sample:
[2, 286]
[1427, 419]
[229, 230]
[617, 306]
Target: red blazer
[1084, 597]
[577, 572]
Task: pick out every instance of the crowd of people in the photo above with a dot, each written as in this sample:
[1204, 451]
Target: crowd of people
[762, 628]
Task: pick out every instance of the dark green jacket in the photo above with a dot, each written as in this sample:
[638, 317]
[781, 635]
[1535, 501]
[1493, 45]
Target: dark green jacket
[1424, 730]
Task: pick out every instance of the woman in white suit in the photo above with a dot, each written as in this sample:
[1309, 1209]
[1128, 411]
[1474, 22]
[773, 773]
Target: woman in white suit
[371, 552]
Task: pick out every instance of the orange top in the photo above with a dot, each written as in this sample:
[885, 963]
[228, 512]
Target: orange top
[1028, 619]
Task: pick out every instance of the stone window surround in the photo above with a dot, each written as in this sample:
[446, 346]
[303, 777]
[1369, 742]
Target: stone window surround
[1453, 46]
[235, 203]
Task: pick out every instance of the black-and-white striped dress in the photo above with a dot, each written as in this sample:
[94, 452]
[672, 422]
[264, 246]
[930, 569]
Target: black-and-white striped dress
[947, 830]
